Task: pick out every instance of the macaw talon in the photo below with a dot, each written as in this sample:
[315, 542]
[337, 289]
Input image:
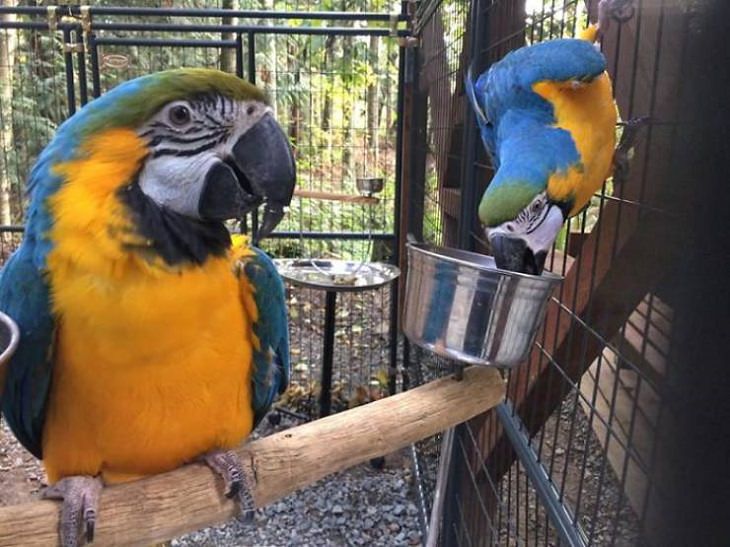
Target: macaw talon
[80, 495]
[238, 483]
[626, 143]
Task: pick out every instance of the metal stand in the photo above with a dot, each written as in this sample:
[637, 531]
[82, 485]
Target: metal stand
[442, 481]
[328, 353]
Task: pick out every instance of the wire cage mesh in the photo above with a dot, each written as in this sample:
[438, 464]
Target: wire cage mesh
[333, 85]
[568, 458]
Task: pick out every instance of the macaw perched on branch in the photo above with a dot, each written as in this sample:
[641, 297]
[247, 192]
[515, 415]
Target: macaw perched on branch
[547, 118]
[149, 338]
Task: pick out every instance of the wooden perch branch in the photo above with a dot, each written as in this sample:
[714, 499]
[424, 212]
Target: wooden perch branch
[190, 498]
[330, 196]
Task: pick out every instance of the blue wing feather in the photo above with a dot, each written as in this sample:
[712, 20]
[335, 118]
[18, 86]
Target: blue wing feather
[24, 296]
[486, 129]
[271, 362]
[518, 126]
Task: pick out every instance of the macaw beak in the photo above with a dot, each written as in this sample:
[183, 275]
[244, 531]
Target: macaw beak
[260, 170]
[513, 254]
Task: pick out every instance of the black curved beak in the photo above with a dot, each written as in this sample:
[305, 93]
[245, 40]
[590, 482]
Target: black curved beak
[512, 253]
[261, 170]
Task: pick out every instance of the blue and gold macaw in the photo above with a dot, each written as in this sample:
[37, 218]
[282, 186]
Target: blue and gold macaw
[547, 118]
[149, 337]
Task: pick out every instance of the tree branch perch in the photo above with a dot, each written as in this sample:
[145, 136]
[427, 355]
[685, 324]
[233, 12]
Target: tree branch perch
[187, 499]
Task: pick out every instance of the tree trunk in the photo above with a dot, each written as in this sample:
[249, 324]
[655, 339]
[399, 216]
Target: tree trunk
[228, 55]
[372, 108]
[8, 44]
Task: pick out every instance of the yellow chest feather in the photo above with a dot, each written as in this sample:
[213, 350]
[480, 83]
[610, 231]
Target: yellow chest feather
[588, 112]
[152, 364]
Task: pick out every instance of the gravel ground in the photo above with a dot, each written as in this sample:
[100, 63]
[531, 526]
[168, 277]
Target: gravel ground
[360, 506]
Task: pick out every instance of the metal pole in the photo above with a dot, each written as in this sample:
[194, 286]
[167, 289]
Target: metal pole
[336, 31]
[239, 55]
[469, 198]
[325, 395]
[251, 43]
[75, 11]
[394, 287]
[94, 55]
[569, 533]
[442, 482]
[81, 60]
[169, 42]
[69, 65]
[344, 236]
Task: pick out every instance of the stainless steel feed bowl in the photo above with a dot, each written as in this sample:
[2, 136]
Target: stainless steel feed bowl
[9, 336]
[460, 306]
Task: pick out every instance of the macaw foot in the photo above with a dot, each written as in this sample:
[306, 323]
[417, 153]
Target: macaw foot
[618, 10]
[626, 143]
[80, 495]
[238, 483]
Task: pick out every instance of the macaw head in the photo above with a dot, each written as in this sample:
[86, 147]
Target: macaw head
[210, 149]
[547, 119]
[522, 243]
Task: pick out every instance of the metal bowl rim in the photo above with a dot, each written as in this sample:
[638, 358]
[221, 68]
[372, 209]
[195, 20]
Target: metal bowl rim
[442, 253]
[14, 337]
[391, 268]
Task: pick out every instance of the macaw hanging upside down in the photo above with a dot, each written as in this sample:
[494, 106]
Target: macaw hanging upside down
[149, 338]
[547, 118]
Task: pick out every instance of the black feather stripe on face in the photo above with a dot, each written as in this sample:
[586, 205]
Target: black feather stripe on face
[175, 238]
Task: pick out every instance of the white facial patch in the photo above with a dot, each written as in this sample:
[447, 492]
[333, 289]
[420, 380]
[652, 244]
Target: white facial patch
[537, 224]
[186, 139]
[177, 182]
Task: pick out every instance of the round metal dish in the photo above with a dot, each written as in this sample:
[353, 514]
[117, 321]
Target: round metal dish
[336, 275]
[369, 186]
[9, 337]
[460, 306]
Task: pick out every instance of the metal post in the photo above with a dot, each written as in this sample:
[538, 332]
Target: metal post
[325, 395]
[251, 73]
[81, 60]
[94, 55]
[442, 481]
[394, 287]
[239, 55]
[251, 42]
[469, 198]
[569, 533]
[69, 65]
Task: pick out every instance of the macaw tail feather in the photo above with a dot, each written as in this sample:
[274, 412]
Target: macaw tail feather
[471, 93]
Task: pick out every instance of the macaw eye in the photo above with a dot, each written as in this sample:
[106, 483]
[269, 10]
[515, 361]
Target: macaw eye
[179, 115]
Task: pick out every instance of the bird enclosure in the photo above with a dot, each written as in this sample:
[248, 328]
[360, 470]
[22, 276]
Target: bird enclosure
[568, 457]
